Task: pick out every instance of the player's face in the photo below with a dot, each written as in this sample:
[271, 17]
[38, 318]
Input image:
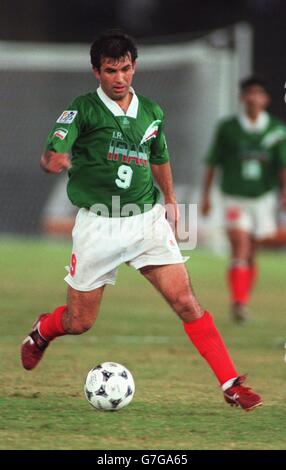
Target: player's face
[116, 76]
[254, 99]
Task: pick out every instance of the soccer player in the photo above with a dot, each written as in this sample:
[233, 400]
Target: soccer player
[250, 152]
[117, 142]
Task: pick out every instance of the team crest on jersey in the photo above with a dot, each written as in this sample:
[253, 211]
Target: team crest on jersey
[60, 133]
[67, 117]
[151, 131]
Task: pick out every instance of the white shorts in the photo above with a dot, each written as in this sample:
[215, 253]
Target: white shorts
[256, 216]
[102, 244]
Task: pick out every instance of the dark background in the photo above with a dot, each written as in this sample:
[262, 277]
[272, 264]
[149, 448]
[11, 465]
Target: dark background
[153, 21]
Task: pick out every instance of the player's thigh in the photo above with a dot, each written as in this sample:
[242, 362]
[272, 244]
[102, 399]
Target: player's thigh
[173, 282]
[265, 216]
[241, 243]
[252, 253]
[238, 216]
[83, 307]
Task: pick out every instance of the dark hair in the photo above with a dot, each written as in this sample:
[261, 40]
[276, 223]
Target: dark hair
[113, 43]
[253, 81]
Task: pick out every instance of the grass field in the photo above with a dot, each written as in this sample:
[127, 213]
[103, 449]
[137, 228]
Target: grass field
[177, 404]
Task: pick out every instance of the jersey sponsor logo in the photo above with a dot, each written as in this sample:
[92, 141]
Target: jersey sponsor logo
[122, 151]
[67, 117]
[251, 169]
[60, 133]
[151, 131]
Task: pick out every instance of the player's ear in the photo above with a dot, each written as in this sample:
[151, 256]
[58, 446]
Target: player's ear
[96, 73]
[134, 66]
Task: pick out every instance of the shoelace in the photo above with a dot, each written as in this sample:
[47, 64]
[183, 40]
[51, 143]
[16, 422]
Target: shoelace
[239, 381]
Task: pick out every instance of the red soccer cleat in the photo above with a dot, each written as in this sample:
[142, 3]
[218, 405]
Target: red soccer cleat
[33, 347]
[238, 395]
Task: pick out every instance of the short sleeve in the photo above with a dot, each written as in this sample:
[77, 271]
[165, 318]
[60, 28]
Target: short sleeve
[159, 149]
[66, 129]
[215, 153]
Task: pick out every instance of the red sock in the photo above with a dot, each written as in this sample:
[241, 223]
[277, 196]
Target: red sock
[51, 325]
[206, 338]
[238, 278]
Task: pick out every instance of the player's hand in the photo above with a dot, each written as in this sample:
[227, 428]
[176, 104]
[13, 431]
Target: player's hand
[54, 162]
[205, 205]
[172, 213]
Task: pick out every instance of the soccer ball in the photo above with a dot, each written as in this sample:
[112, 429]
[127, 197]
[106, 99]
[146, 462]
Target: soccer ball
[109, 386]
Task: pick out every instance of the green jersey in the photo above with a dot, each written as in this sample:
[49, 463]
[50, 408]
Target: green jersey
[111, 152]
[249, 160]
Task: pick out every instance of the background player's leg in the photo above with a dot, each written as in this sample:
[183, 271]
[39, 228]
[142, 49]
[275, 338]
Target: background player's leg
[241, 244]
[239, 273]
[173, 283]
[253, 271]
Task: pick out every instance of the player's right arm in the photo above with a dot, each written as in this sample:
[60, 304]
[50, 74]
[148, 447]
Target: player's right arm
[208, 178]
[53, 162]
[213, 159]
[55, 157]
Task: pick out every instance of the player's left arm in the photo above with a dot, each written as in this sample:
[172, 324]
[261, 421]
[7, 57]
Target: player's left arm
[162, 173]
[283, 187]
[163, 176]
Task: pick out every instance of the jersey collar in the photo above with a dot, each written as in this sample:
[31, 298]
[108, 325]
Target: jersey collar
[115, 108]
[260, 125]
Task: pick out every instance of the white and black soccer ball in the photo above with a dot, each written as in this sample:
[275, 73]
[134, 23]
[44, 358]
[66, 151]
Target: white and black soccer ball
[109, 386]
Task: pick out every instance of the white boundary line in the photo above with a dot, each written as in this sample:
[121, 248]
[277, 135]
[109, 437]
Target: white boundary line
[151, 339]
[134, 339]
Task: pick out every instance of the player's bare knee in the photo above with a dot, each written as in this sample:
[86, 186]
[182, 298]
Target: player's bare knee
[192, 314]
[77, 326]
[187, 307]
